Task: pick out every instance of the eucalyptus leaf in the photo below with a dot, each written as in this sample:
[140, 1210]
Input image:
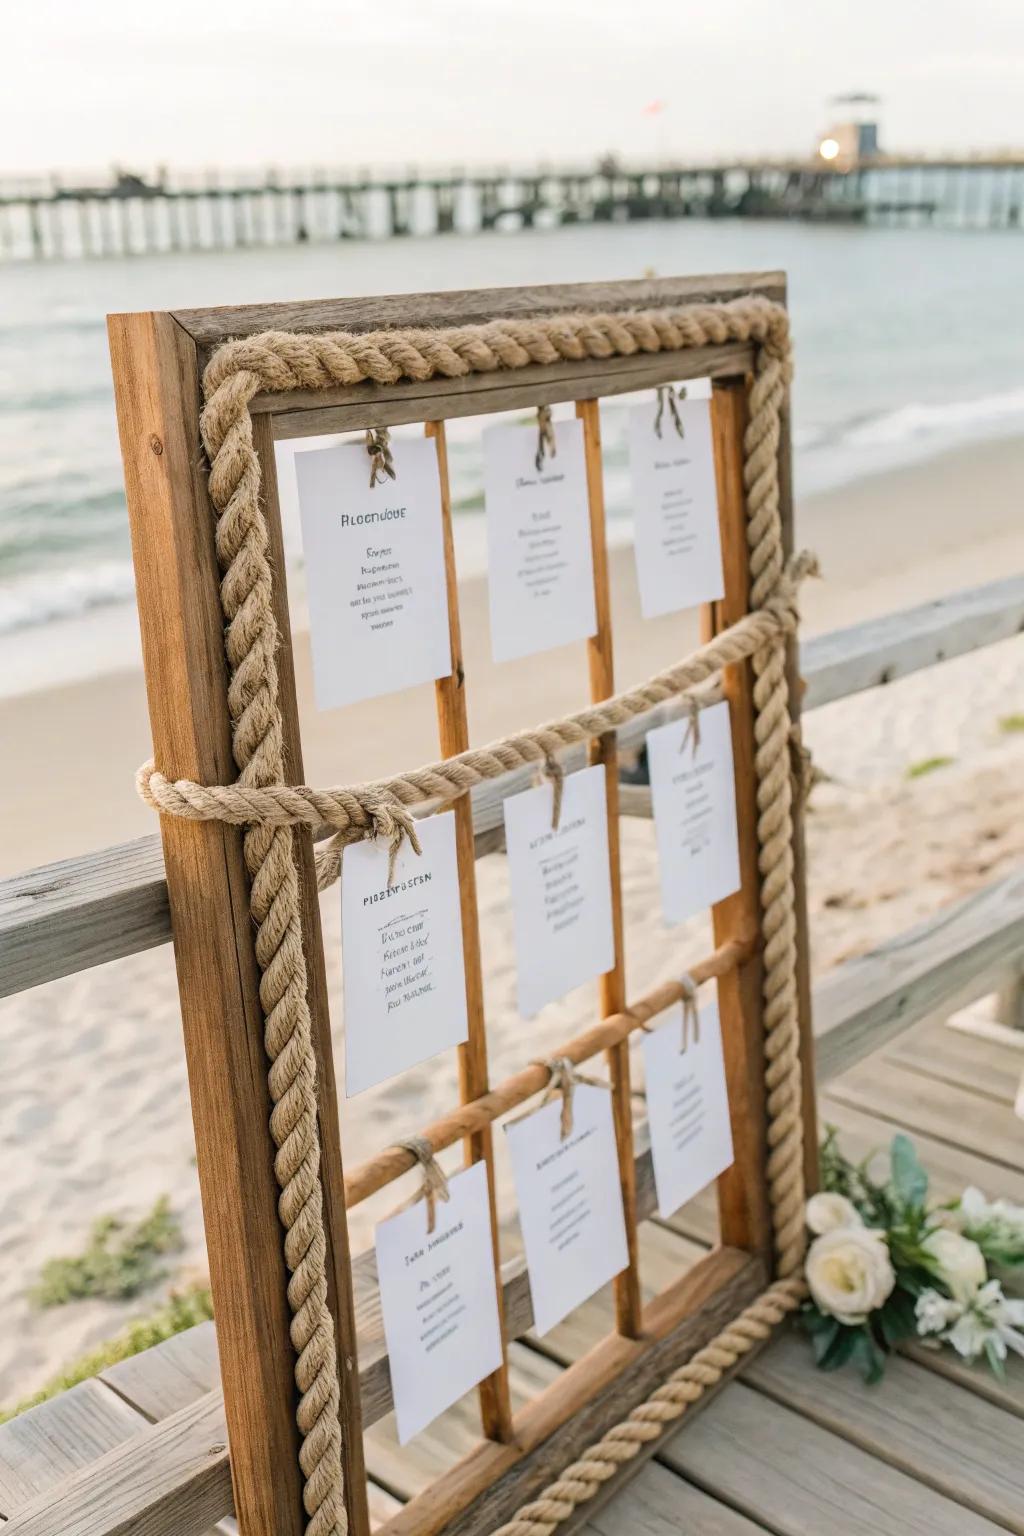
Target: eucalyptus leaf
[841, 1349]
[909, 1178]
[868, 1356]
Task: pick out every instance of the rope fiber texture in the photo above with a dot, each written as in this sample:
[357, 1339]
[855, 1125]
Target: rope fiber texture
[269, 810]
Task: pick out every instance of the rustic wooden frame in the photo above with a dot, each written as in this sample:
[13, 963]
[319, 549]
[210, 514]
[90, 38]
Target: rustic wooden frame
[158, 361]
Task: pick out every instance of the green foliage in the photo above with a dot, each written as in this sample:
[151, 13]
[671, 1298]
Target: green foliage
[184, 1309]
[118, 1262]
[1011, 723]
[928, 765]
[909, 1179]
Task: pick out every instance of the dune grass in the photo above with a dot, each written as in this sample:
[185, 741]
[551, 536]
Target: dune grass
[184, 1309]
[928, 765]
[1009, 724]
[120, 1260]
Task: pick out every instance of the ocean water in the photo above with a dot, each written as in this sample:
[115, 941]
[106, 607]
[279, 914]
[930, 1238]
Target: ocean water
[908, 342]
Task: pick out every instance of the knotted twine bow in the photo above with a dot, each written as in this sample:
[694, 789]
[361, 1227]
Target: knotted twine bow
[547, 444]
[691, 1014]
[378, 446]
[435, 1182]
[563, 1080]
[667, 396]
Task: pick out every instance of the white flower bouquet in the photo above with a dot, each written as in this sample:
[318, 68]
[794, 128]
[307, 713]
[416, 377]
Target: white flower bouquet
[885, 1265]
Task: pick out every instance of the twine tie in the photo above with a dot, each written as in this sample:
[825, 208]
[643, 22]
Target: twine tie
[547, 443]
[667, 397]
[434, 1186]
[564, 1076]
[378, 446]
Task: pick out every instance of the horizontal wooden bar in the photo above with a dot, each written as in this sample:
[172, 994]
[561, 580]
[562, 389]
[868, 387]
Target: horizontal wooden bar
[947, 960]
[210, 327]
[868, 655]
[377, 1172]
[307, 413]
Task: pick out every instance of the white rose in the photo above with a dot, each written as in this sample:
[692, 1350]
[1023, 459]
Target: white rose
[849, 1273]
[827, 1213]
[956, 1261]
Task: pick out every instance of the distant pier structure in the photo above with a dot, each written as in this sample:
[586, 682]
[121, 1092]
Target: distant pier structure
[134, 213]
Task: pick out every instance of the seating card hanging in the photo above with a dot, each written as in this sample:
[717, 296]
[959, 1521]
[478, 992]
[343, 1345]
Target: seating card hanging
[561, 887]
[374, 557]
[675, 502]
[538, 537]
[687, 1103]
[438, 1299]
[566, 1174]
[402, 961]
[694, 801]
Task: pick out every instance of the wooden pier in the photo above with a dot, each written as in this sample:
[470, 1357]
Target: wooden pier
[133, 214]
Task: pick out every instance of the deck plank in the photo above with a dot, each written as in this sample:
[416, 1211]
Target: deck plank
[173, 1374]
[922, 1424]
[909, 1101]
[950, 1168]
[965, 1061]
[44, 1445]
[661, 1503]
[797, 1479]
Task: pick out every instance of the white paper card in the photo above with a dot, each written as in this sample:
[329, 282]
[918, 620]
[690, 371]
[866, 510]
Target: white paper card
[561, 888]
[694, 799]
[687, 1108]
[401, 946]
[570, 1203]
[538, 541]
[675, 508]
[439, 1302]
[378, 604]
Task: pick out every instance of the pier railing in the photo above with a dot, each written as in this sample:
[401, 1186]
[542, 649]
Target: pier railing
[139, 213]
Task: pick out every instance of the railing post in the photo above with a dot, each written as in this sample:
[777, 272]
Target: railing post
[156, 385]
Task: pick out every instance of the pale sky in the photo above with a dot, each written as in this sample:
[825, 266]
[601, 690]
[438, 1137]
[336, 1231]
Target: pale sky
[242, 82]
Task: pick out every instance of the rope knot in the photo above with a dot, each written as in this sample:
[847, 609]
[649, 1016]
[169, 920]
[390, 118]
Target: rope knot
[435, 1182]
[378, 446]
[393, 823]
[563, 1079]
[547, 444]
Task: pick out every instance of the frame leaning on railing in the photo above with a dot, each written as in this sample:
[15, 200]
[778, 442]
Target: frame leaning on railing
[158, 362]
[115, 903]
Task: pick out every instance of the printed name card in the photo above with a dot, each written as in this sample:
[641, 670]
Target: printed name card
[402, 966]
[541, 574]
[561, 888]
[694, 799]
[375, 576]
[570, 1203]
[687, 1108]
[675, 507]
[439, 1302]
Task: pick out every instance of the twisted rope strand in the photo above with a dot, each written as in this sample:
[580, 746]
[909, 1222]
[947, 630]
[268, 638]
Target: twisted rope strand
[268, 809]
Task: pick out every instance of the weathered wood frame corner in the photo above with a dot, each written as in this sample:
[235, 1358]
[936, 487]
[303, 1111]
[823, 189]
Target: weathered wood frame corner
[158, 359]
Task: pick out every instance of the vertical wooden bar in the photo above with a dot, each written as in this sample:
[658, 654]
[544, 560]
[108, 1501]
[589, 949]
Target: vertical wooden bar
[453, 735]
[339, 1271]
[744, 1218]
[809, 1098]
[156, 382]
[628, 1303]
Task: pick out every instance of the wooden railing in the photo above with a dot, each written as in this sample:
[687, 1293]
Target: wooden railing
[82, 912]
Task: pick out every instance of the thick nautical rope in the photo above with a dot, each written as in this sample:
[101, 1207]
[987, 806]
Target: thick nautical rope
[649, 1419]
[379, 809]
[280, 361]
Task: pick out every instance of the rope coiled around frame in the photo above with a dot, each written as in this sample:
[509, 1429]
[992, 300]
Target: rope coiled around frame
[268, 809]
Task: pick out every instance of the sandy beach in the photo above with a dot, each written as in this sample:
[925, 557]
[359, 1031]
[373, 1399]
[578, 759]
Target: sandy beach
[97, 1116]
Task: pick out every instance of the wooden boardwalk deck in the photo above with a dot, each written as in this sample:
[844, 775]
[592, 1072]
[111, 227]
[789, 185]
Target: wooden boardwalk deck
[782, 1449]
